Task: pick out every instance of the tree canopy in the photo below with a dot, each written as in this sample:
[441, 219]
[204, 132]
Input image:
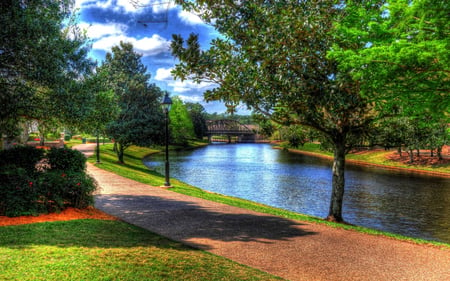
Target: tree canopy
[141, 120]
[42, 63]
[307, 63]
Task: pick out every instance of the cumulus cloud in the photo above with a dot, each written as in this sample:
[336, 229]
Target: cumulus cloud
[163, 74]
[189, 85]
[193, 99]
[189, 18]
[147, 46]
[99, 30]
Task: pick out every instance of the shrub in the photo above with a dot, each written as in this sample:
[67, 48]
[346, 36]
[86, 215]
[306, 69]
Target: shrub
[18, 193]
[24, 157]
[59, 190]
[65, 159]
[24, 190]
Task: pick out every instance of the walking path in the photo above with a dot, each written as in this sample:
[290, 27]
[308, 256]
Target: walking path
[291, 249]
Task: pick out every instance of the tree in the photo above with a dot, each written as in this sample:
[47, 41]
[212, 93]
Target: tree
[181, 126]
[141, 120]
[300, 62]
[39, 61]
[274, 59]
[198, 117]
[406, 59]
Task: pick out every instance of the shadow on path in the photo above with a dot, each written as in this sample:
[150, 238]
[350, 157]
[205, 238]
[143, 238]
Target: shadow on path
[190, 222]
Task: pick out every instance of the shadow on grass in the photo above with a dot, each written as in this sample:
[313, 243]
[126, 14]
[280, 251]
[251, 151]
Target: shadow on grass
[189, 222]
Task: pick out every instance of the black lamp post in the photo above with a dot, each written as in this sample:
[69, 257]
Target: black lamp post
[166, 103]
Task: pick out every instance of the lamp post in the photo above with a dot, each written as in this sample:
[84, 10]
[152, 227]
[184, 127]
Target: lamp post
[166, 103]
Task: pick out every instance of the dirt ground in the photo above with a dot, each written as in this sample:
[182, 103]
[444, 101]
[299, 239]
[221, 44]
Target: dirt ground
[68, 214]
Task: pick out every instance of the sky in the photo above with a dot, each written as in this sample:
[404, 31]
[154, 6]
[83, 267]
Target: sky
[149, 26]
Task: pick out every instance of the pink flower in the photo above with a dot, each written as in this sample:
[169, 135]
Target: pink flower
[78, 184]
[30, 184]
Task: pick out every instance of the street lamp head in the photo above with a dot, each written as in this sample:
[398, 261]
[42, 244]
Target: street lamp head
[166, 103]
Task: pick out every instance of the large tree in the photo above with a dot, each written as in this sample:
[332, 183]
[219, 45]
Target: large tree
[42, 63]
[141, 120]
[282, 58]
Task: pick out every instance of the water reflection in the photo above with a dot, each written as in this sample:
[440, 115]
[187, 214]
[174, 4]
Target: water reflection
[411, 205]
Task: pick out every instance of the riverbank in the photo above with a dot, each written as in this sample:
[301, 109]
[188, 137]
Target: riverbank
[292, 249]
[136, 170]
[380, 159]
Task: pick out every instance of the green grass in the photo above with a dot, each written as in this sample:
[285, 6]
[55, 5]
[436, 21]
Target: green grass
[107, 250]
[375, 157]
[136, 170]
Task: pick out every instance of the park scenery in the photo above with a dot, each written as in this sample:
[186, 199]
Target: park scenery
[224, 140]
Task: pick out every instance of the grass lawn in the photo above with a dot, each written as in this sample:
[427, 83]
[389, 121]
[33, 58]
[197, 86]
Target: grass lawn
[378, 157]
[107, 250]
[136, 170]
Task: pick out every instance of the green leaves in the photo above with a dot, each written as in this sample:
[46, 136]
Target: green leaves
[140, 118]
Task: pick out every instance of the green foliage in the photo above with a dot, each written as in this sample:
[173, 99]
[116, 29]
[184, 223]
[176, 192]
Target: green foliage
[140, 118]
[68, 160]
[329, 65]
[181, 125]
[21, 157]
[198, 117]
[18, 195]
[43, 57]
[25, 190]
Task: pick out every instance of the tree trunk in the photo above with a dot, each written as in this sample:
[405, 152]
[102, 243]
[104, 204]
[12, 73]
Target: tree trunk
[338, 184]
[411, 156]
[400, 151]
[439, 152]
[119, 152]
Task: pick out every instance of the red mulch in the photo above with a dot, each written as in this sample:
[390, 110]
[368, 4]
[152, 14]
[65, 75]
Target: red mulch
[424, 160]
[68, 214]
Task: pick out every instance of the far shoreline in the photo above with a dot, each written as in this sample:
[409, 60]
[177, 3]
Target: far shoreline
[413, 171]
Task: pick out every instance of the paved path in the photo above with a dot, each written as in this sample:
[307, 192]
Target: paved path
[291, 249]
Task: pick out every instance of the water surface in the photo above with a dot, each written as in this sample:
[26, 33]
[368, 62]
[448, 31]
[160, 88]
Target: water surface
[407, 204]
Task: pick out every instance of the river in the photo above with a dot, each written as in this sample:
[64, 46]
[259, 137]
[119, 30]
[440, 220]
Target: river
[407, 204]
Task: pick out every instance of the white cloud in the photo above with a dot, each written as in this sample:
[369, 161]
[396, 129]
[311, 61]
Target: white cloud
[147, 46]
[189, 85]
[189, 18]
[129, 6]
[163, 74]
[98, 30]
[193, 99]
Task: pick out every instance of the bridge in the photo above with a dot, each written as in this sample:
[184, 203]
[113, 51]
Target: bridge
[229, 128]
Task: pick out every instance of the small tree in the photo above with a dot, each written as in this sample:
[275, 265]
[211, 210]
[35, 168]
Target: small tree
[181, 126]
[198, 117]
[140, 121]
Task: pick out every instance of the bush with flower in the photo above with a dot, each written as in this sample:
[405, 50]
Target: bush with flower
[32, 182]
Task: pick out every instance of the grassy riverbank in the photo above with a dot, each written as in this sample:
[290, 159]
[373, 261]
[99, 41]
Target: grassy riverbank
[378, 158]
[136, 170]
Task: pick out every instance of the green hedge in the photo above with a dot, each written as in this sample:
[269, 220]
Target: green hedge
[31, 185]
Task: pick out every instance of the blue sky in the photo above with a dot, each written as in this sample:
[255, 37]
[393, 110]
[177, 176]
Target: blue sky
[149, 27]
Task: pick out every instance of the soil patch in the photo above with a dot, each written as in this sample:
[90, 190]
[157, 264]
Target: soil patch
[68, 214]
[423, 160]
